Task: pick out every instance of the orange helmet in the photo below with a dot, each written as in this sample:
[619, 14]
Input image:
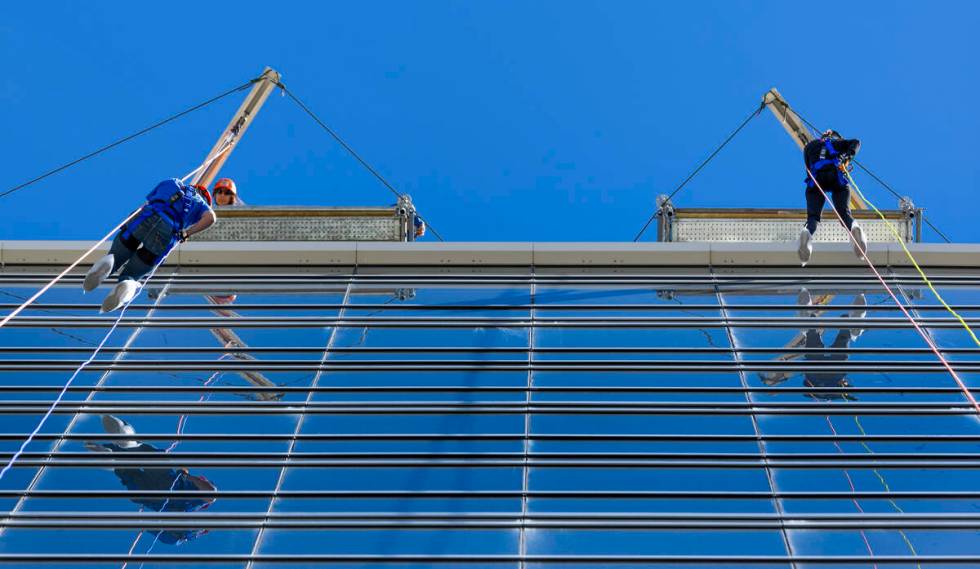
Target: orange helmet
[204, 193]
[226, 184]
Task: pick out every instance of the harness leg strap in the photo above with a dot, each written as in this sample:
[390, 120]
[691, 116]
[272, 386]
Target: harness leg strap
[128, 241]
[147, 256]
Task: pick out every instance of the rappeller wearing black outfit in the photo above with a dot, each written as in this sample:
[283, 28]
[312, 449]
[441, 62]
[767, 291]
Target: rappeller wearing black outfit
[825, 159]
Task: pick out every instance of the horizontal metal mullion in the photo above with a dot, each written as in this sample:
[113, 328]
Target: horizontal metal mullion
[542, 306]
[582, 278]
[471, 558]
[479, 350]
[156, 456]
[393, 270]
[680, 517]
[808, 322]
[541, 406]
[489, 524]
[594, 521]
[774, 273]
[233, 365]
[857, 462]
[193, 389]
[495, 494]
[513, 409]
[499, 322]
[567, 437]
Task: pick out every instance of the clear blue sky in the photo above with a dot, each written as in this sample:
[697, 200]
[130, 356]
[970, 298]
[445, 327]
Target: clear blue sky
[551, 121]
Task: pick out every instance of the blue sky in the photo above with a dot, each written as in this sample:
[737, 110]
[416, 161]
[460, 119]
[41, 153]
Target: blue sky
[548, 121]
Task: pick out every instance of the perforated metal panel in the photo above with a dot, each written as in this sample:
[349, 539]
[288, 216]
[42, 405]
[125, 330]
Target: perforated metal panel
[297, 224]
[775, 230]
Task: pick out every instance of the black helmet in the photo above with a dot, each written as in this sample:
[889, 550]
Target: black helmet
[831, 133]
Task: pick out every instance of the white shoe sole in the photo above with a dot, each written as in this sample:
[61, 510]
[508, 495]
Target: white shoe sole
[120, 295]
[98, 273]
[859, 244]
[117, 426]
[805, 300]
[859, 300]
[805, 249]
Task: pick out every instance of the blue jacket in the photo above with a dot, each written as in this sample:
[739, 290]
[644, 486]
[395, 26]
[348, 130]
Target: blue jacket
[177, 203]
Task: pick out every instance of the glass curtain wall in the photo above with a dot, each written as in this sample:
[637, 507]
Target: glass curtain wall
[492, 417]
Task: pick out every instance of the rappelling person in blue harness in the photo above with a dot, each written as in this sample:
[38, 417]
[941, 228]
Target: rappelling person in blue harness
[172, 213]
[826, 159]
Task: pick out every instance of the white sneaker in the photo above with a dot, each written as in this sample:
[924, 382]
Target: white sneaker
[98, 273]
[804, 299]
[120, 295]
[860, 244]
[858, 312]
[116, 426]
[860, 303]
[96, 447]
[805, 248]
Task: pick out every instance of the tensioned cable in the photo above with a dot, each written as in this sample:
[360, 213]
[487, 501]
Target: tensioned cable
[918, 328]
[132, 136]
[899, 196]
[702, 165]
[352, 152]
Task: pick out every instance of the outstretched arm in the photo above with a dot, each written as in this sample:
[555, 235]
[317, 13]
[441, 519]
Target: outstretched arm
[848, 147]
[207, 220]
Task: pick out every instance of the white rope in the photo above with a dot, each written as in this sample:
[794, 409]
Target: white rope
[208, 161]
[61, 275]
[91, 358]
[92, 249]
[45, 288]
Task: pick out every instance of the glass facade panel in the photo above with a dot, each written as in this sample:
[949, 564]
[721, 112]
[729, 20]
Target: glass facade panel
[492, 417]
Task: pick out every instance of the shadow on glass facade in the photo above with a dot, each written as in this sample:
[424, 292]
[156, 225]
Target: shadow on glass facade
[492, 417]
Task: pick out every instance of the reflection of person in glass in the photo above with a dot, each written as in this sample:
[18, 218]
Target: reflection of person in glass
[156, 479]
[813, 340]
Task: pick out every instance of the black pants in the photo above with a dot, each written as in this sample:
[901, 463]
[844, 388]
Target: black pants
[839, 194]
[814, 339]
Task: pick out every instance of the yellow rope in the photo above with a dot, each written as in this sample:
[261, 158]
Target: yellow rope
[884, 484]
[911, 258]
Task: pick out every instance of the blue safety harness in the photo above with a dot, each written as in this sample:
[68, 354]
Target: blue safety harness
[833, 159]
[172, 201]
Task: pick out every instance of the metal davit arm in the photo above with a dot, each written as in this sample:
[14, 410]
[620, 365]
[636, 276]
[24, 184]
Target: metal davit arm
[796, 128]
[236, 128]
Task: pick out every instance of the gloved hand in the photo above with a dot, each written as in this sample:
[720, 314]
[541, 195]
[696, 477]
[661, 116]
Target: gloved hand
[182, 236]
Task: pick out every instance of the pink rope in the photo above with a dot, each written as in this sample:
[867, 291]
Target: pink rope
[850, 482]
[925, 336]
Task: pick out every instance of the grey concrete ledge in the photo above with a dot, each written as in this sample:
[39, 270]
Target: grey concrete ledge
[264, 253]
